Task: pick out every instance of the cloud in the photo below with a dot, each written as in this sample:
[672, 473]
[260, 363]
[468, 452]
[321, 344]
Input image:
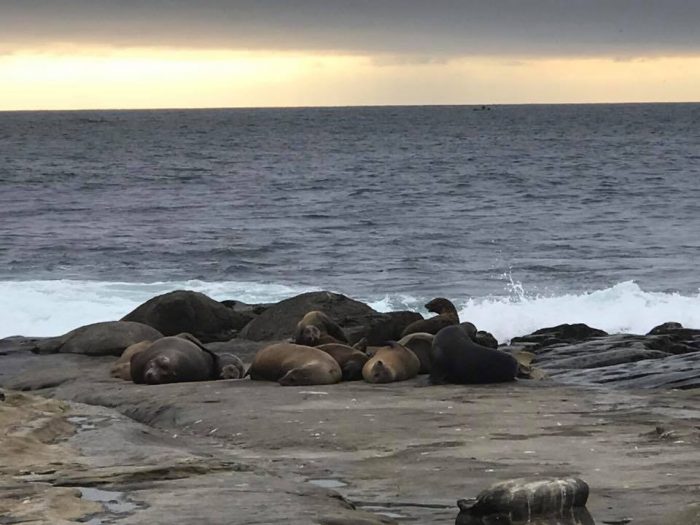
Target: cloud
[411, 28]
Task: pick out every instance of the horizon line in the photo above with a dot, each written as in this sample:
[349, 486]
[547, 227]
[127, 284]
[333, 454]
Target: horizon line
[351, 106]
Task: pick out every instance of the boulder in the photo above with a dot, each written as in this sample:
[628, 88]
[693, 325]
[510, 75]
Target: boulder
[563, 333]
[280, 320]
[486, 339]
[186, 311]
[108, 338]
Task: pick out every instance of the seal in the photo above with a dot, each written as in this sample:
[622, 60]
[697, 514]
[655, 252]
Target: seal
[350, 359]
[229, 366]
[294, 365]
[121, 369]
[420, 343]
[391, 363]
[458, 359]
[447, 316]
[305, 335]
[173, 359]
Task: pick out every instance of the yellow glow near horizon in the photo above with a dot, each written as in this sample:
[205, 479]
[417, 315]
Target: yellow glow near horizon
[148, 78]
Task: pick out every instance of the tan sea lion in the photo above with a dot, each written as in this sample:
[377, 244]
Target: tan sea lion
[447, 316]
[313, 336]
[350, 359]
[307, 336]
[292, 365]
[122, 368]
[420, 343]
[391, 363]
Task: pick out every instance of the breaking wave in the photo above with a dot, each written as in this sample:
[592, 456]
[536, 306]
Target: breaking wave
[44, 308]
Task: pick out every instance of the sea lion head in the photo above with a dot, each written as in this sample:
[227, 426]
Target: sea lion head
[440, 305]
[297, 377]
[380, 373]
[159, 370]
[309, 336]
[229, 372]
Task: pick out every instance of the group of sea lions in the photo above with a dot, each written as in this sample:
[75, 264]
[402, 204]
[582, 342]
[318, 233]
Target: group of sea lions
[319, 353]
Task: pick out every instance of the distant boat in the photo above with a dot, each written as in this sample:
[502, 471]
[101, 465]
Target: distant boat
[482, 108]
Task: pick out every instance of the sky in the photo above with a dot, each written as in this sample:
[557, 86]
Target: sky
[80, 54]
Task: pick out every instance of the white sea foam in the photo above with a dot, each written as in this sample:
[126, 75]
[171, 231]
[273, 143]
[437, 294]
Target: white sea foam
[53, 307]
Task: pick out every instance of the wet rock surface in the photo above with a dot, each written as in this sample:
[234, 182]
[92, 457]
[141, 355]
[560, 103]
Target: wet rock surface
[238, 451]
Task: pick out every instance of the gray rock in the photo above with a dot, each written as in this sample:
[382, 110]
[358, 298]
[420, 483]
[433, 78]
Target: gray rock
[193, 312]
[563, 333]
[279, 321]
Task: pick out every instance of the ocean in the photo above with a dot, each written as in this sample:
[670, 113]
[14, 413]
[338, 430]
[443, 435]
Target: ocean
[524, 216]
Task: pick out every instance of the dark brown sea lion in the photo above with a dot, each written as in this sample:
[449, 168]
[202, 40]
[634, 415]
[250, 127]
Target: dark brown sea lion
[350, 359]
[313, 336]
[391, 363]
[307, 336]
[420, 343]
[458, 359]
[293, 365]
[122, 368]
[447, 316]
[174, 359]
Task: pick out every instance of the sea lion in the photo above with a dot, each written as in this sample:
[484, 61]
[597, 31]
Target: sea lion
[173, 359]
[350, 359]
[306, 336]
[122, 368]
[312, 336]
[420, 343]
[391, 363]
[447, 316]
[486, 339]
[293, 365]
[458, 359]
[229, 366]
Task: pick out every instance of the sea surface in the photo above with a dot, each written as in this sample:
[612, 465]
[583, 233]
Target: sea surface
[524, 216]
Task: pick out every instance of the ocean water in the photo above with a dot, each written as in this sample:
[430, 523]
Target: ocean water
[525, 216]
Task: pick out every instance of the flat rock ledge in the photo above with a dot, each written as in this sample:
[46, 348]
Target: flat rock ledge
[85, 446]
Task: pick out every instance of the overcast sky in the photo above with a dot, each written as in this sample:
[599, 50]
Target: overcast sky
[430, 28]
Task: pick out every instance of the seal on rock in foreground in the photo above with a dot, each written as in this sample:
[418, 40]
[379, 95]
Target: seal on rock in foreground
[458, 359]
[391, 363]
[351, 360]
[292, 365]
[174, 359]
[315, 324]
[447, 316]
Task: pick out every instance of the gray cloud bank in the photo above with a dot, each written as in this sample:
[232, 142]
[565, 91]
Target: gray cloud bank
[437, 28]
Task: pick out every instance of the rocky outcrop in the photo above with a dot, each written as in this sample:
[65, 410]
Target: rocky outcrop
[193, 312]
[667, 357]
[357, 319]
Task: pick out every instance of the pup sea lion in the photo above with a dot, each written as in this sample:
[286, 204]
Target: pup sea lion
[304, 335]
[391, 363]
[293, 365]
[229, 366]
[447, 316]
[122, 368]
[350, 359]
[171, 360]
[420, 343]
[458, 359]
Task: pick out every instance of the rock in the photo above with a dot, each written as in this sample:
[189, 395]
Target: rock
[486, 339]
[186, 311]
[674, 371]
[280, 320]
[379, 328]
[243, 348]
[245, 308]
[563, 333]
[665, 328]
[107, 338]
[522, 499]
